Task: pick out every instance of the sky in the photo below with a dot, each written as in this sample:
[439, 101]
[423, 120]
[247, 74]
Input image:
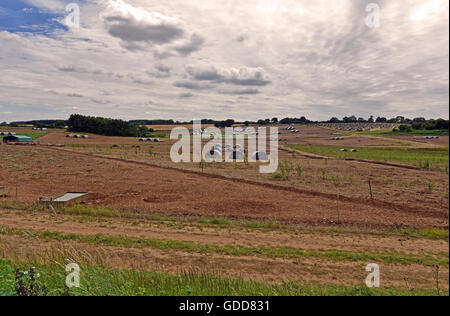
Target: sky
[246, 60]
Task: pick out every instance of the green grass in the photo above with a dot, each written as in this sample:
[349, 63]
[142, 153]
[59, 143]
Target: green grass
[427, 158]
[232, 249]
[34, 135]
[94, 213]
[103, 281]
[414, 132]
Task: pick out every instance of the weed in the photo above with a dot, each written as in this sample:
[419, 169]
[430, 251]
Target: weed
[436, 278]
[286, 169]
[337, 181]
[27, 284]
[299, 171]
[431, 186]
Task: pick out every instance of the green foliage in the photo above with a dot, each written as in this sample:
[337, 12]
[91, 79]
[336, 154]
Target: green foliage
[431, 186]
[405, 128]
[431, 125]
[427, 158]
[104, 281]
[286, 169]
[299, 171]
[28, 283]
[337, 181]
[277, 176]
[103, 126]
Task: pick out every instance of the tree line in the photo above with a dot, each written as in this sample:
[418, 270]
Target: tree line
[105, 126]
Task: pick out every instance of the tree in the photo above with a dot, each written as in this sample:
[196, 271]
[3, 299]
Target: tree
[103, 126]
[334, 120]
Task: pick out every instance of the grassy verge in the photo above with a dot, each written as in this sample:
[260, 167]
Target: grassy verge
[93, 213]
[96, 281]
[415, 132]
[290, 253]
[427, 158]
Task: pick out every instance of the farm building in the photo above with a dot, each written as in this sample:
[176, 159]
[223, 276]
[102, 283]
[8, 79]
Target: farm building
[17, 139]
[260, 156]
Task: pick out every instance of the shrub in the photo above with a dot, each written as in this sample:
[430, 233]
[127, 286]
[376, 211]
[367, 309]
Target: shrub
[405, 128]
[27, 284]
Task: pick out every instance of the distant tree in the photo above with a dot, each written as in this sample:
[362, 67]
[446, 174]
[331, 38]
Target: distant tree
[103, 126]
[371, 119]
[400, 119]
[351, 119]
[419, 120]
[405, 128]
[275, 120]
[334, 120]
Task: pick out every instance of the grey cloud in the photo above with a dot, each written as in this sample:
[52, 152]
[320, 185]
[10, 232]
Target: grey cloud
[162, 68]
[100, 101]
[243, 77]
[241, 92]
[186, 95]
[75, 95]
[191, 85]
[154, 28]
[241, 38]
[194, 44]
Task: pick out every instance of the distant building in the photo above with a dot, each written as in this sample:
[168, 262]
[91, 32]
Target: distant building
[17, 139]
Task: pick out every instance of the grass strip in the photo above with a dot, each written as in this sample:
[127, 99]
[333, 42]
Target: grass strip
[235, 250]
[101, 281]
[426, 158]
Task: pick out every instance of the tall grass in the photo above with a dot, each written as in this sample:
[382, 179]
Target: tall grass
[232, 249]
[104, 281]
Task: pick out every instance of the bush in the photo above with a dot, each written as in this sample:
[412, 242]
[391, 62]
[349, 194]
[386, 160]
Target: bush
[405, 128]
[430, 125]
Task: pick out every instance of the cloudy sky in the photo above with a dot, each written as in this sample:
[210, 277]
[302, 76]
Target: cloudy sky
[149, 59]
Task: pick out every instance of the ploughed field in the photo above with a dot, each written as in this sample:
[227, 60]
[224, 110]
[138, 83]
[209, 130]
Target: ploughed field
[118, 183]
[317, 225]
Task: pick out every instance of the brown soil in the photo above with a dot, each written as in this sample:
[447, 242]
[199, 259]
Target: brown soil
[311, 135]
[68, 224]
[123, 184]
[248, 267]
[441, 141]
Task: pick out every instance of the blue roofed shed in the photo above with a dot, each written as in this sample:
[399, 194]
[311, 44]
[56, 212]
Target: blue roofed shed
[17, 139]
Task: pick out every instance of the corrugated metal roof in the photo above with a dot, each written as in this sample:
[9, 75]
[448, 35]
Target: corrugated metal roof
[21, 138]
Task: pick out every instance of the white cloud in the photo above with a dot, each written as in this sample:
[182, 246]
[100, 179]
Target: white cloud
[262, 58]
[140, 29]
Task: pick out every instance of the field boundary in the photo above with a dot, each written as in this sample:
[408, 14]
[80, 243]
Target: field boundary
[356, 200]
[383, 163]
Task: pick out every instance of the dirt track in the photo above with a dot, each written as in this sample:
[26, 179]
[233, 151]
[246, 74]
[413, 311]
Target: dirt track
[253, 267]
